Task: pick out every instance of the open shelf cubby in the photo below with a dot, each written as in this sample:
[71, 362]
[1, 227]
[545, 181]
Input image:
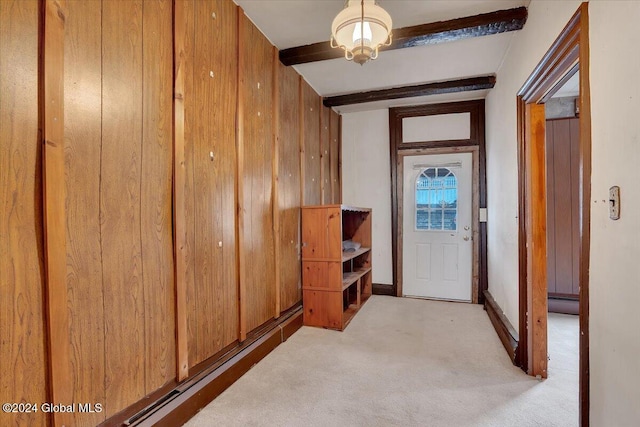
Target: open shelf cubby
[335, 283]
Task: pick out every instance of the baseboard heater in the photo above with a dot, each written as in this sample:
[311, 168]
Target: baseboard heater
[186, 399]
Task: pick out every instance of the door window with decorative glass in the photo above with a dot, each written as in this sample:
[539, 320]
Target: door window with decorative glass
[436, 200]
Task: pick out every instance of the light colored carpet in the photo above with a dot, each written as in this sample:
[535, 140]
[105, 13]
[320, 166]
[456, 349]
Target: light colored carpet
[403, 362]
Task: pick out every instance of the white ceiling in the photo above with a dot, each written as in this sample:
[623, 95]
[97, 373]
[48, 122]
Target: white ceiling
[290, 23]
[570, 88]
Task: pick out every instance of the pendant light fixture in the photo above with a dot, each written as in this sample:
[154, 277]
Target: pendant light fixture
[360, 29]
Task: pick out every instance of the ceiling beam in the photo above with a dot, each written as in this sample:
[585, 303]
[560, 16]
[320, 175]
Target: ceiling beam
[437, 88]
[436, 32]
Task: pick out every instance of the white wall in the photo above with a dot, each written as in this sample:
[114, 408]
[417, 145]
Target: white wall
[439, 127]
[366, 180]
[615, 245]
[614, 301]
[545, 22]
[366, 170]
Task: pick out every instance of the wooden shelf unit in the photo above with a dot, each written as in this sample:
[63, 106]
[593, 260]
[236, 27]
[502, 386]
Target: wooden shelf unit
[335, 284]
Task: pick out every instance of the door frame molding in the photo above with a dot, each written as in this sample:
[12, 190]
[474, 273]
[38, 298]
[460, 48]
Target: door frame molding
[570, 48]
[475, 224]
[475, 144]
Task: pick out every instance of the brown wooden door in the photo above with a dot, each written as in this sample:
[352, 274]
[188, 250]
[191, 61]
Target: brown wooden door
[563, 213]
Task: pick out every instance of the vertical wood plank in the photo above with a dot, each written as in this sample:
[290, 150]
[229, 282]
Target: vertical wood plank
[275, 206]
[256, 90]
[23, 367]
[241, 209]
[228, 96]
[212, 115]
[537, 240]
[563, 206]
[54, 206]
[155, 197]
[224, 62]
[335, 156]
[83, 116]
[190, 121]
[289, 186]
[325, 154]
[207, 257]
[340, 158]
[120, 201]
[311, 134]
[206, 190]
[301, 132]
[182, 24]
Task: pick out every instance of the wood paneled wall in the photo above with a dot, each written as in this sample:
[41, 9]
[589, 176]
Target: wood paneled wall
[256, 175]
[310, 113]
[330, 156]
[83, 146]
[156, 198]
[335, 157]
[289, 194]
[210, 161]
[118, 166]
[325, 155]
[179, 190]
[23, 373]
[563, 207]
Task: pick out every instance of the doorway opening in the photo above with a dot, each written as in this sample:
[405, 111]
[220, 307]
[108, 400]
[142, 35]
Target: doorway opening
[420, 131]
[568, 54]
[562, 121]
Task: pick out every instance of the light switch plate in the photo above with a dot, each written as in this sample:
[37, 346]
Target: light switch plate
[614, 202]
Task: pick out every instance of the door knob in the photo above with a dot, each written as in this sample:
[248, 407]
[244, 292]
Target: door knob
[466, 238]
[466, 227]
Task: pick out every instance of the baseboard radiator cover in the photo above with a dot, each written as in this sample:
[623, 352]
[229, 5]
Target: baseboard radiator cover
[189, 397]
[505, 330]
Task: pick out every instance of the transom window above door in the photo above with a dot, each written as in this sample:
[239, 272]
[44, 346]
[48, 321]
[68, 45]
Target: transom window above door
[436, 200]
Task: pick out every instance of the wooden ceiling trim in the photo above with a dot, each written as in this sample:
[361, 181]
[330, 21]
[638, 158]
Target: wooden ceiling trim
[418, 35]
[436, 88]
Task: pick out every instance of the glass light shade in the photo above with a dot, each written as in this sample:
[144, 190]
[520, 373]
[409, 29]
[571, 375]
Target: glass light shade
[364, 33]
[361, 19]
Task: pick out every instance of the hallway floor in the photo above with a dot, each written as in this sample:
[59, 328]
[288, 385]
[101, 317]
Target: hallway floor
[404, 362]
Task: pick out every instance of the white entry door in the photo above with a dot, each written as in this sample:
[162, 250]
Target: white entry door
[437, 228]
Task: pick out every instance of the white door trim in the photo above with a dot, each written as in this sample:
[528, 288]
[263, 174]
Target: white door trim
[475, 189]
